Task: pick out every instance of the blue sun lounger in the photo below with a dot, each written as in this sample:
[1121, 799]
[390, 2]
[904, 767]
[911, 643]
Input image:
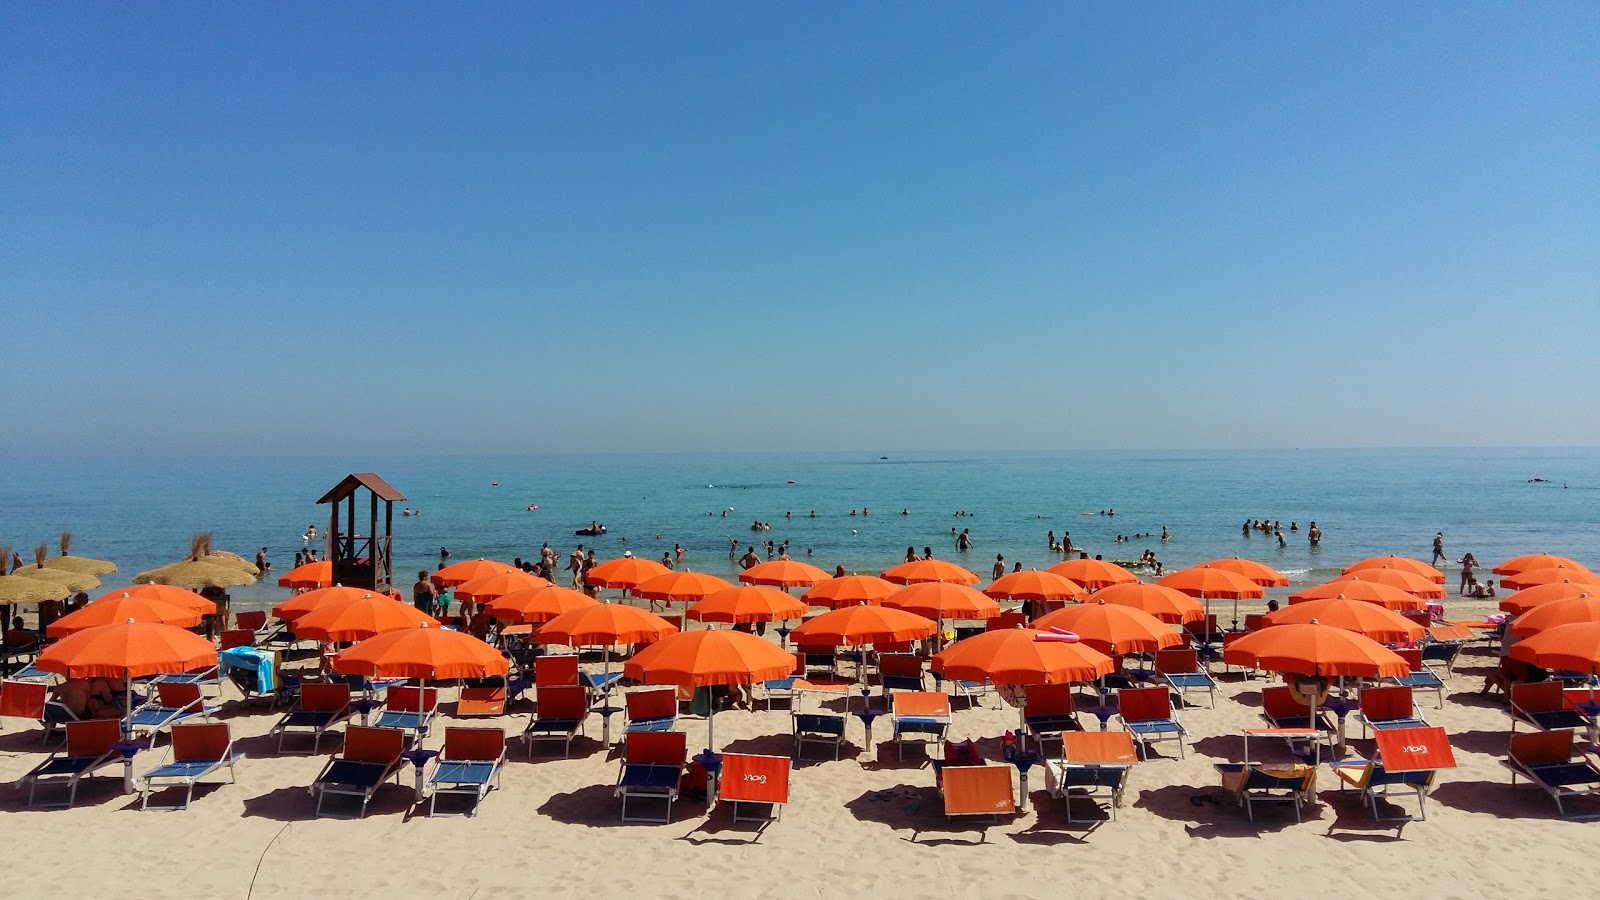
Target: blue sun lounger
[88, 750]
[469, 765]
[197, 750]
[370, 757]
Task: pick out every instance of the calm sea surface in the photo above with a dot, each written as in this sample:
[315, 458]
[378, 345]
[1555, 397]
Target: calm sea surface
[141, 513]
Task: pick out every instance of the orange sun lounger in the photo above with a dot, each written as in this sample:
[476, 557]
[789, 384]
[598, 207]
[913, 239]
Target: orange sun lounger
[754, 780]
[1408, 759]
[978, 791]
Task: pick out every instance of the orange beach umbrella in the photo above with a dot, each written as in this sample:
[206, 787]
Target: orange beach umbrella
[177, 596]
[701, 658]
[922, 570]
[358, 619]
[1020, 656]
[425, 651]
[1315, 649]
[1258, 572]
[1354, 588]
[1093, 574]
[605, 624]
[457, 573]
[297, 606]
[1532, 561]
[1574, 647]
[746, 603]
[1402, 563]
[684, 587]
[943, 600]
[498, 584]
[126, 608]
[311, 575]
[852, 626]
[625, 572]
[1035, 585]
[850, 590]
[1112, 629]
[1555, 613]
[1539, 595]
[1211, 583]
[535, 605]
[784, 573]
[1553, 575]
[1410, 582]
[1370, 619]
[127, 650]
[1160, 601]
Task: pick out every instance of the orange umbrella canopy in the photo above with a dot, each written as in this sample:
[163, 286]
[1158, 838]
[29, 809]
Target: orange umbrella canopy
[131, 649]
[1574, 647]
[1093, 574]
[1258, 572]
[534, 605]
[1368, 619]
[177, 596]
[747, 603]
[709, 656]
[850, 590]
[1537, 596]
[359, 619]
[424, 651]
[684, 587]
[1553, 575]
[1410, 582]
[1035, 585]
[930, 570]
[311, 575]
[1017, 656]
[1112, 629]
[1315, 649]
[461, 572]
[1209, 581]
[1402, 563]
[295, 607]
[625, 572]
[1354, 588]
[605, 624]
[1160, 601]
[943, 600]
[852, 626]
[115, 610]
[1557, 612]
[1532, 561]
[784, 573]
[498, 584]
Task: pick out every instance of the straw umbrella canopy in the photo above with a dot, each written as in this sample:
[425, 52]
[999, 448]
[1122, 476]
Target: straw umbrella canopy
[941, 600]
[1353, 588]
[1211, 583]
[124, 608]
[1164, 603]
[84, 564]
[489, 587]
[72, 581]
[784, 573]
[1403, 563]
[426, 652]
[624, 573]
[1539, 595]
[17, 591]
[358, 619]
[854, 626]
[1370, 619]
[850, 590]
[195, 574]
[923, 570]
[466, 570]
[1020, 656]
[1553, 575]
[1316, 650]
[532, 606]
[297, 607]
[1532, 561]
[1555, 613]
[1093, 574]
[746, 604]
[1258, 572]
[127, 650]
[1410, 582]
[1112, 629]
[1035, 585]
[683, 587]
[229, 560]
[699, 659]
[317, 574]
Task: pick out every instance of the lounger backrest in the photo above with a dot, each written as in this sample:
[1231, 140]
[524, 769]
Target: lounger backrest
[1418, 616]
[1415, 749]
[324, 697]
[92, 737]
[474, 744]
[1542, 696]
[560, 701]
[1048, 700]
[1387, 703]
[657, 748]
[652, 704]
[205, 741]
[900, 665]
[1535, 748]
[1412, 657]
[413, 699]
[975, 790]
[238, 637]
[1144, 704]
[893, 646]
[1177, 661]
[555, 670]
[1279, 703]
[1005, 621]
[675, 620]
[253, 620]
[921, 703]
[23, 699]
[754, 779]
[368, 744]
[178, 694]
[1208, 625]
[1098, 747]
[1254, 622]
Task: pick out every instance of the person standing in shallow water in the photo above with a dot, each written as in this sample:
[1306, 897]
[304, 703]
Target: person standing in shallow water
[1438, 549]
[999, 564]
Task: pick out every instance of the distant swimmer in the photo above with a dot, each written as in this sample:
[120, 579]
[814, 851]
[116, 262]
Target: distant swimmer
[1165, 534]
[813, 514]
[443, 553]
[964, 540]
[907, 512]
[532, 507]
[1314, 533]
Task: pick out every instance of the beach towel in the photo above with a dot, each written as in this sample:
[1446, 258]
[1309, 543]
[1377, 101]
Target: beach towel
[251, 660]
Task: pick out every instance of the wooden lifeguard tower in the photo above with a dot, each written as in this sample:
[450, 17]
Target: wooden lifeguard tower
[361, 560]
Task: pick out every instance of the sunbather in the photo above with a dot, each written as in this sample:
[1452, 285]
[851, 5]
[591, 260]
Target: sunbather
[88, 698]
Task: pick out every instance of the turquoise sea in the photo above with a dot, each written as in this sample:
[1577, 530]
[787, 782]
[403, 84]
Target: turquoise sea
[141, 512]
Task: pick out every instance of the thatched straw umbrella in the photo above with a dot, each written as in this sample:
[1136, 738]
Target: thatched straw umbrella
[203, 569]
[16, 590]
[83, 564]
[74, 581]
[230, 560]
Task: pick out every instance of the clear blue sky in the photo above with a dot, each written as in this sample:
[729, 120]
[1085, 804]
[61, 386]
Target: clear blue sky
[281, 228]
